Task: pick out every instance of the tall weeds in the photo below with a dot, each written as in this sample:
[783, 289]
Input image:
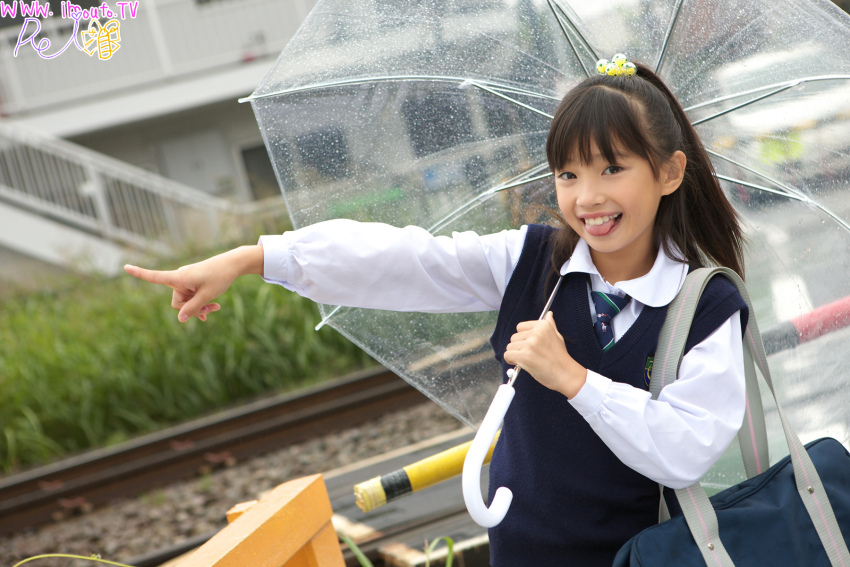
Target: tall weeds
[99, 362]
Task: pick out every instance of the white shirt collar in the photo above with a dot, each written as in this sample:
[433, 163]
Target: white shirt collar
[656, 288]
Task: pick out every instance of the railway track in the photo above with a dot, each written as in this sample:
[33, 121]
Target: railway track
[395, 534]
[391, 536]
[33, 497]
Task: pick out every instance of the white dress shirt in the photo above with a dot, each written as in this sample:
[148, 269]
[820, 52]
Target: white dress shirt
[673, 440]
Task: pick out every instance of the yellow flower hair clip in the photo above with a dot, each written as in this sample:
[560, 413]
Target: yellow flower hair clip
[619, 65]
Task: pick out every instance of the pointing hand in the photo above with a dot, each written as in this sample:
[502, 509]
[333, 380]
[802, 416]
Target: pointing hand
[196, 286]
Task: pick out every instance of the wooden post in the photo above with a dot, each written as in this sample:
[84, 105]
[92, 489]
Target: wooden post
[288, 527]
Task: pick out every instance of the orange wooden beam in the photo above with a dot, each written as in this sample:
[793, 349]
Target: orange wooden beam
[290, 526]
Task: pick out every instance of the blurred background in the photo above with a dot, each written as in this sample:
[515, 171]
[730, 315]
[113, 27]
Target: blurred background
[151, 148]
[145, 157]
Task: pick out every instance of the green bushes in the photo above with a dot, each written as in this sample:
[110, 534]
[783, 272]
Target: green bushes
[102, 361]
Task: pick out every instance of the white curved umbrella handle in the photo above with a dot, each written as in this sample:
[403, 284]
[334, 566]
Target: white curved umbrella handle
[483, 516]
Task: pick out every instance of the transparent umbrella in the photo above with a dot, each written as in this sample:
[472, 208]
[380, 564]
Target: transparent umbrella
[435, 113]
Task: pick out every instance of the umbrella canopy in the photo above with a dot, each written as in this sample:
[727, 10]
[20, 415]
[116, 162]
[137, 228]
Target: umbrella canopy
[435, 113]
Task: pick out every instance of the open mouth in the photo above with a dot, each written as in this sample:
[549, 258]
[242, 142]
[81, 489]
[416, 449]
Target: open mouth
[600, 226]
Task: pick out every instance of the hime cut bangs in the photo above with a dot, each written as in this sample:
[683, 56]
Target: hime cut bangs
[640, 115]
[596, 113]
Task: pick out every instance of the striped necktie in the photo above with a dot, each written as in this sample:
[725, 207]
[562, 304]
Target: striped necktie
[608, 305]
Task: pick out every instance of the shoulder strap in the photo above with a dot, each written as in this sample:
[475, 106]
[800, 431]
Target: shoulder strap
[695, 504]
[752, 437]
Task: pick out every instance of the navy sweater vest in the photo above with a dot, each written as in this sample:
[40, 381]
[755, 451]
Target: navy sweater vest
[574, 502]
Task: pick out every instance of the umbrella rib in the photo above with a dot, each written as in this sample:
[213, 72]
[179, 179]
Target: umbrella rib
[325, 320]
[516, 90]
[509, 99]
[792, 83]
[669, 34]
[759, 187]
[789, 192]
[435, 78]
[516, 182]
[742, 105]
[486, 195]
[558, 16]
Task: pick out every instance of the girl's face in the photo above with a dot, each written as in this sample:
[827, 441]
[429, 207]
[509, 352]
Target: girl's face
[612, 206]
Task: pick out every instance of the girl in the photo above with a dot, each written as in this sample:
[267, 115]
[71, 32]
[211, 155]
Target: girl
[583, 447]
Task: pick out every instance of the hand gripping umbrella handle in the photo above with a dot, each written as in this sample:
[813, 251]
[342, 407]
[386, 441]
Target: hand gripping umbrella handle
[471, 481]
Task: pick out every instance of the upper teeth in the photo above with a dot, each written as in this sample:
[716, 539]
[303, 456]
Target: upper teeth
[600, 220]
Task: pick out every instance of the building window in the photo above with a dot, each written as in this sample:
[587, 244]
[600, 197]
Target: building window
[324, 151]
[437, 121]
[260, 172]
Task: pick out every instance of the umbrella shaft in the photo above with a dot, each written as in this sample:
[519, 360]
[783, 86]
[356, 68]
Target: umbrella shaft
[512, 373]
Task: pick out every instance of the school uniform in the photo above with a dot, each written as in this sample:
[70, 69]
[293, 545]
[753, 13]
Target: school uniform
[583, 471]
[573, 496]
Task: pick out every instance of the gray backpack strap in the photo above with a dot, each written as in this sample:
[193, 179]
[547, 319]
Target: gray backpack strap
[752, 437]
[663, 512]
[702, 521]
[809, 485]
[696, 507]
[665, 370]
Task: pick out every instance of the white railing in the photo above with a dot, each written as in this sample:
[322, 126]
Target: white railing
[166, 39]
[112, 200]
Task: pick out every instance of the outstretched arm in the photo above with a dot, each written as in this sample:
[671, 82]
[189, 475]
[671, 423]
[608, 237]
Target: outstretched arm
[196, 286]
[369, 265]
[378, 266]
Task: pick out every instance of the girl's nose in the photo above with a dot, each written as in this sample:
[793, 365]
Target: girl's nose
[588, 194]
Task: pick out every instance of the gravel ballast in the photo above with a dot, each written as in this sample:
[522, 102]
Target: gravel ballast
[136, 526]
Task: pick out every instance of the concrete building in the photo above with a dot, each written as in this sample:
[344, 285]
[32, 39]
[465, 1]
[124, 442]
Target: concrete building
[148, 126]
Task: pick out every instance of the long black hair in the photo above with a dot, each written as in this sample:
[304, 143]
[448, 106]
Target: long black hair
[641, 115]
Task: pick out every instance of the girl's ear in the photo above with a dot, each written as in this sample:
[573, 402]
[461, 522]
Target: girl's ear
[673, 172]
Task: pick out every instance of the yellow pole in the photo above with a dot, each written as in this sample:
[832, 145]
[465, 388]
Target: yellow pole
[376, 492]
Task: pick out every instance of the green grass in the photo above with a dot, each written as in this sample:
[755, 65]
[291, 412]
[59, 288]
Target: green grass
[429, 549]
[101, 361]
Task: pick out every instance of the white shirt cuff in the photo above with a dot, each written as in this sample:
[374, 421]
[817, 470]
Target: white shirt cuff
[276, 254]
[589, 399]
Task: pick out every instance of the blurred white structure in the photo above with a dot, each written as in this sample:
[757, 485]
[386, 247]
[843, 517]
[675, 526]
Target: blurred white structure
[69, 206]
[181, 151]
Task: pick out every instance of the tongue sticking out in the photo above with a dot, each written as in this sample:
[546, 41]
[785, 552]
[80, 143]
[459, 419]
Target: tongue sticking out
[602, 229]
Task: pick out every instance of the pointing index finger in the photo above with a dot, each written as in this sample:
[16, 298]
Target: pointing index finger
[151, 276]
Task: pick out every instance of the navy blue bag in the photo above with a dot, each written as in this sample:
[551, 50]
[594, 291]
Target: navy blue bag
[762, 520]
[796, 512]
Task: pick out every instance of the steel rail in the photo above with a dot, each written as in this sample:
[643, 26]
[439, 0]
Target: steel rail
[40, 495]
